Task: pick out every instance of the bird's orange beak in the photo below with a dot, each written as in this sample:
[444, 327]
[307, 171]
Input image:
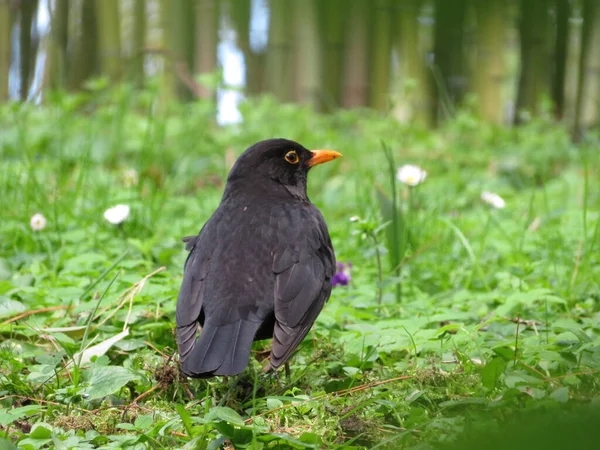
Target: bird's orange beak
[322, 156]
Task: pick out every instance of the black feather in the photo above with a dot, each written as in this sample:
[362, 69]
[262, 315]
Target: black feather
[260, 267]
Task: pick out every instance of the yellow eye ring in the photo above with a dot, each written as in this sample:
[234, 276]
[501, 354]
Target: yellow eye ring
[292, 157]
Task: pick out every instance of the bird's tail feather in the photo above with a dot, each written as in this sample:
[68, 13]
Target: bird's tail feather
[221, 350]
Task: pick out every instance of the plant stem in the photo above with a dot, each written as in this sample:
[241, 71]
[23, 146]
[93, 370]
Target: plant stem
[379, 269]
[395, 250]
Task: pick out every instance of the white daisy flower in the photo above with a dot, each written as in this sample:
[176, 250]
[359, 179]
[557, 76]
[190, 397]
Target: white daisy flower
[411, 175]
[493, 200]
[130, 178]
[117, 214]
[354, 219]
[38, 222]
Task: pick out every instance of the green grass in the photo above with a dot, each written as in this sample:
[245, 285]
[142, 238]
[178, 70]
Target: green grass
[498, 312]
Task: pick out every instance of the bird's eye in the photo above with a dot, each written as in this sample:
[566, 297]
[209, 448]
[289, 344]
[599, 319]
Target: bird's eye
[292, 157]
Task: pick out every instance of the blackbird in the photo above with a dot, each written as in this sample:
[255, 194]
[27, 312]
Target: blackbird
[261, 266]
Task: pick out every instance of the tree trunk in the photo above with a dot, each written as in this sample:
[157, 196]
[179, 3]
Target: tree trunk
[207, 22]
[139, 42]
[176, 26]
[563, 13]
[109, 42]
[55, 70]
[5, 53]
[534, 82]
[279, 73]
[413, 102]
[355, 87]
[587, 113]
[85, 52]
[189, 11]
[27, 46]
[308, 69]
[254, 59]
[449, 70]
[381, 49]
[573, 60]
[333, 14]
[490, 69]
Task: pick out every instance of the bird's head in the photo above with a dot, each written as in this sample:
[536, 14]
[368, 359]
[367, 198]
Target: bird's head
[277, 163]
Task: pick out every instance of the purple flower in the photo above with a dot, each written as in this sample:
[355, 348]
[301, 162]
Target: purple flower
[342, 277]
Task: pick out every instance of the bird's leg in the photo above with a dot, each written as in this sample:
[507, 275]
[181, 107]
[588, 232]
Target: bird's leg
[288, 373]
[275, 375]
[272, 373]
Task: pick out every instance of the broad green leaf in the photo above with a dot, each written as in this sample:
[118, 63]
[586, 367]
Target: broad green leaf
[41, 372]
[7, 445]
[41, 431]
[311, 438]
[143, 422]
[491, 373]
[515, 379]
[273, 403]
[5, 271]
[33, 443]
[528, 299]
[225, 428]
[215, 444]
[130, 344]
[7, 416]
[106, 380]
[224, 413]
[581, 335]
[9, 306]
[506, 353]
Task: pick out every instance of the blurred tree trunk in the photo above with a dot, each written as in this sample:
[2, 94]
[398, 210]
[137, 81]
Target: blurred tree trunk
[254, 60]
[207, 22]
[109, 37]
[308, 68]
[490, 69]
[413, 100]
[587, 112]
[139, 42]
[563, 13]
[177, 31]
[355, 85]
[534, 82]
[449, 69]
[5, 53]
[573, 59]
[189, 11]
[172, 36]
[55, 71]
[333, 15]
[27, 46]
[381, 49]
[279, 72]
[85, 52]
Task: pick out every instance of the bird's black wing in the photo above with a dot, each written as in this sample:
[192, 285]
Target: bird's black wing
[304, 268]
[223, 288]
[189, 301]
